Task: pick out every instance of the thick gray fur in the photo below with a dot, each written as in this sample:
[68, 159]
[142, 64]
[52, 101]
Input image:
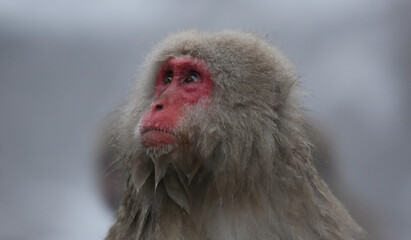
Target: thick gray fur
[243, 167]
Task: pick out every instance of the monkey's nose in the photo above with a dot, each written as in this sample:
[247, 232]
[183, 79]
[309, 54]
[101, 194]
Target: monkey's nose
[158, 107]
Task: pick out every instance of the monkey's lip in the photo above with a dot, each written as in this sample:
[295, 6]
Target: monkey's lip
[156, 137]
[147, 129]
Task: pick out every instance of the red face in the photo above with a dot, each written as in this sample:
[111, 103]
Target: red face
[181, 82]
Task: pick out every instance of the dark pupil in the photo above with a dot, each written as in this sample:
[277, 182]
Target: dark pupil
[168, 79]
[191, 78]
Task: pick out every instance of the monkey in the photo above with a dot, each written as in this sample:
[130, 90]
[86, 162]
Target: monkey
[213, 144]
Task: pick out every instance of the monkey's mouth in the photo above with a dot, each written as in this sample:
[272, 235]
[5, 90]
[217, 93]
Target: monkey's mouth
[149, 128]
[157, 137]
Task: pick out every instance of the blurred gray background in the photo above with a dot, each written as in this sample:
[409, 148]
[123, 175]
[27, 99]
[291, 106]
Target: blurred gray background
[64, 65]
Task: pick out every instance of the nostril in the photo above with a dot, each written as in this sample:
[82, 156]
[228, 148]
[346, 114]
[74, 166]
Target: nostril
[158, 107]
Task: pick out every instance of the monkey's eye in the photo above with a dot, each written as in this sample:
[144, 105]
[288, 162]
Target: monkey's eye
[169, 78]
[191, 78]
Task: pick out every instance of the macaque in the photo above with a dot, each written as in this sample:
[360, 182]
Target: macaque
[214, 145]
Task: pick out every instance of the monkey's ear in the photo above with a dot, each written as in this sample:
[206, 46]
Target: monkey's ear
[282, 92]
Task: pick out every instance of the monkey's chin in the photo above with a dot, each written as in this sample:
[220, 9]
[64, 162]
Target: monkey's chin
[156, 138]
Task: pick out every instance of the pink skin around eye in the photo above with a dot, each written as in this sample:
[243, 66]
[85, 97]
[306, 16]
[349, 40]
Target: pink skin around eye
[158, 124]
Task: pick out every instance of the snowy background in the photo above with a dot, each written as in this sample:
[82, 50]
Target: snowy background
[65, 64]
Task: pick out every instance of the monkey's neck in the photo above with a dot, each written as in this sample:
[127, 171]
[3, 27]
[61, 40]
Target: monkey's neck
[267, 208]
[173, 210]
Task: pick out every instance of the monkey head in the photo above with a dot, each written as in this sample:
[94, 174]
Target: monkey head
[201, 97]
